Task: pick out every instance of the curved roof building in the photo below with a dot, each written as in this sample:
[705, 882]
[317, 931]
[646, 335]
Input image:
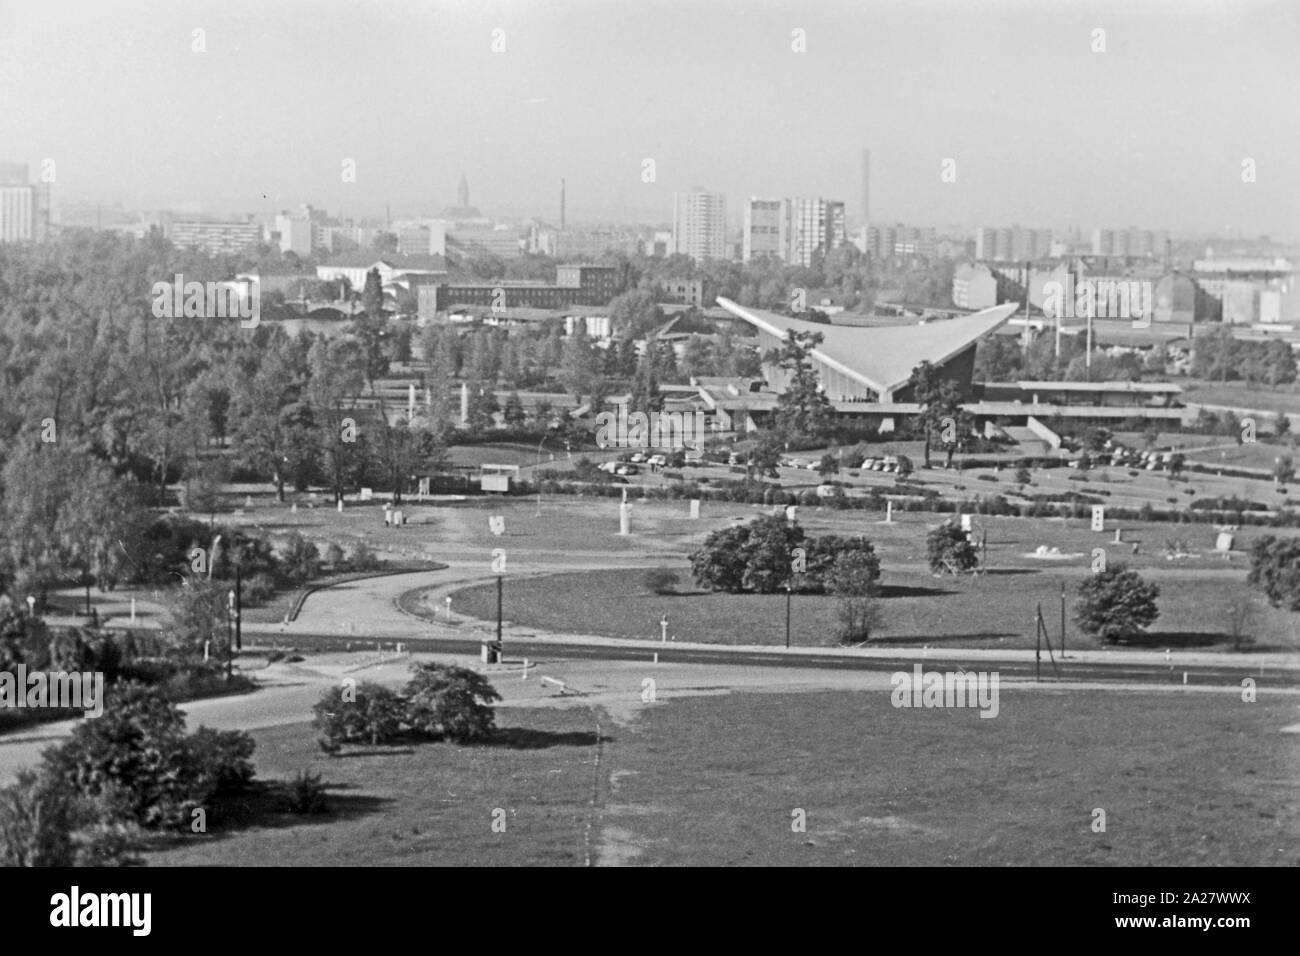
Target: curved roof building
[874, 364]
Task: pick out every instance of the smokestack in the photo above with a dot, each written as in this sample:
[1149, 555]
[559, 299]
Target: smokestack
[561, 203]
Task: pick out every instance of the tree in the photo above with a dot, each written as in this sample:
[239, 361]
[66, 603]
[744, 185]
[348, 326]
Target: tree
[514, 411]
[1240, 615]
[905, 466]
[1023, 476]
[1116, 604]
[453, 702]
[1177, 462]
[829, 465]
[197, 619]
[764, 457]
[949, 549]
[802, 410]
[719, 563]
[1284, 469]
[852, 579]
[1275, 570]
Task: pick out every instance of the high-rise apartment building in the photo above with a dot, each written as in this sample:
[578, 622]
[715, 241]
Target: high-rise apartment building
[767, 229]
[700, 224]
[817, 225]
[17, 213]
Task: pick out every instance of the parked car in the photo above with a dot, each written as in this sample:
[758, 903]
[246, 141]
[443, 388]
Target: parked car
[610, 467]
[628, 469]
[659, 460]
[638, 457]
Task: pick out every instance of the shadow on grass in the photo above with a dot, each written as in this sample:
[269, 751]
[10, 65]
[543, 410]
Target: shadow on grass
[905, 591]
[1178, 639]
[526, 738]
[932, 639]
[265, 804]
[997, 572]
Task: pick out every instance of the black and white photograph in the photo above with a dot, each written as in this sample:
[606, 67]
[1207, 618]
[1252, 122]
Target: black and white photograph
[594, 433]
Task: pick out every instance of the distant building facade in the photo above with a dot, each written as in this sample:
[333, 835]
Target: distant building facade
[700, 224]
[214, 237]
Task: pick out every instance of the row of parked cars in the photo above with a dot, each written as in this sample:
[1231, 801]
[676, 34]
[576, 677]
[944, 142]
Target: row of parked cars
[888, 463]
[1122, 456]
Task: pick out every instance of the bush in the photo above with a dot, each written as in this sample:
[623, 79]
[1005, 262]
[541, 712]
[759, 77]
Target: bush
[35, 823]
[1116, 604]
[307, 794]
[662, 580]
[220, 761]
[364, 559]
[136, 760]
[41, 824]
[452, 702]
[258, 589]
[365, 712]
[300, 561]
[334, 555]
[949, 550]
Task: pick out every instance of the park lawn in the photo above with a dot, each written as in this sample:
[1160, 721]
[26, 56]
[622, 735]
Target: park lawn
[993, 611]
[1184, 779]
[1251, 397]
[428, 804]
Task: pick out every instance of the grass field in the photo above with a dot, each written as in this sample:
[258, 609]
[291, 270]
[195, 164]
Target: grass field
[1198, 781]
[1201, 779]
[423, 805]
[994, 610]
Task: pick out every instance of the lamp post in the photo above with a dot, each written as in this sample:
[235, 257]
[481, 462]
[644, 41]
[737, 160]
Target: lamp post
[230, 629]
[787, 615]
[501, 649]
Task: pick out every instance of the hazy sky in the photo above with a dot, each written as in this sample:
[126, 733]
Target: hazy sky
[1152, 132]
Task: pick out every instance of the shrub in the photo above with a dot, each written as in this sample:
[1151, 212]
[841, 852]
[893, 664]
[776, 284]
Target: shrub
[453, 702]
[220, 761]
[35, 823]
[364, 559]
[334, 555]
[307, 794]
[136, 760]
[258, 589]
[1023, 476]
[949, 550]
[662, 580]
[362, 712]
[300, 561]
[1116, 604]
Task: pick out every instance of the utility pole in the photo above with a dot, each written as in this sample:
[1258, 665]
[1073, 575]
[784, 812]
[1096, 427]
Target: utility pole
[1062, 619]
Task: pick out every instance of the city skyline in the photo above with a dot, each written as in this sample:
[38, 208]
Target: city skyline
[1024, 118]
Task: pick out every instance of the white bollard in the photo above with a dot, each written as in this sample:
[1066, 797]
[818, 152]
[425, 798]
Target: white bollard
[340, 506]
[656, 657]
[695, 508]
[624, 518]
[132, 610]
[525, 677]
[889, 512]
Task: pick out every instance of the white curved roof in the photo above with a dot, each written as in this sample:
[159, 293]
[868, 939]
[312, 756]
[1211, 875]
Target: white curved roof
[882, 358]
